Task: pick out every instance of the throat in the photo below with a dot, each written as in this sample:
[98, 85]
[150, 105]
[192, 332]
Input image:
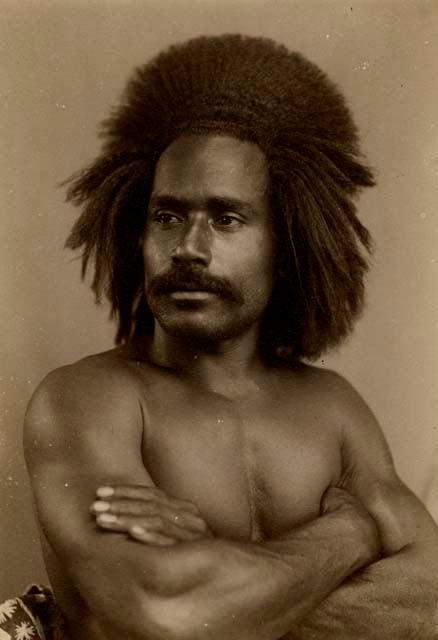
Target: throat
[230, 368]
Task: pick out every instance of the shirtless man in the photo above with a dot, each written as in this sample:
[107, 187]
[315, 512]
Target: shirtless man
[200, 480]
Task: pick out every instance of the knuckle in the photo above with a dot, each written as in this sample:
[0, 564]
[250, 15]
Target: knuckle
[118, 506]
[123, 506]
[141, 508]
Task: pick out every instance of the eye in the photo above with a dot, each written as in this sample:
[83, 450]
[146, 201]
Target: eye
[165, 218]
[227, 220]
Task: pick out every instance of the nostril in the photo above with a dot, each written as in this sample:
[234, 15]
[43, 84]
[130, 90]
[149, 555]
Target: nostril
[178, 255]
[195, 246]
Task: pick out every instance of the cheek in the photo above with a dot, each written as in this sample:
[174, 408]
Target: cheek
[263, 264]
[154, 256]
[258, 280]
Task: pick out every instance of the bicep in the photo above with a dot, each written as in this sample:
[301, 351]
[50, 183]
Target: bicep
[76, 438]
[368, 471]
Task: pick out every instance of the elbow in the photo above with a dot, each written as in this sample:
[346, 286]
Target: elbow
[148, 617]
[175, 609]
[173, 618]
[168, 602]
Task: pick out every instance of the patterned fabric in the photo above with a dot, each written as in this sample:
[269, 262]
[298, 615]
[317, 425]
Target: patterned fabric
[32, 616]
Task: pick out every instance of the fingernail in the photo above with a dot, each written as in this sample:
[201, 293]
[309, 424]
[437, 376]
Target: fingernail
[137, 530]
[105, 492]
[100, 506]
[106, 517]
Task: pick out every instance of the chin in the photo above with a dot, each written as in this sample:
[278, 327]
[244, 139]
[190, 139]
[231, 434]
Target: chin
[201, 329]
[202, 323]
[200, 333]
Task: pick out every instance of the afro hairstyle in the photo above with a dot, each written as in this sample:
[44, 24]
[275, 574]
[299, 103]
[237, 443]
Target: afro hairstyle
[256, 90]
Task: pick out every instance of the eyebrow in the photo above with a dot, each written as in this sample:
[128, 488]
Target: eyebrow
[218, 204]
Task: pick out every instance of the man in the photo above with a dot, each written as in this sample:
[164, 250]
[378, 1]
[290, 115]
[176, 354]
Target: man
[200, 480]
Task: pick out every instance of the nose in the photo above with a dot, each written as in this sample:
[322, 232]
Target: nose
[194, 243]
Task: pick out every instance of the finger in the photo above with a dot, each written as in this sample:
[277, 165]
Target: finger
[128, 506]
[139, 492]
[185, 505]
[142, 508]
[190, 513]
[144, 492]
[150, 537]
[192, 522]
[182, 532]
[124, 523]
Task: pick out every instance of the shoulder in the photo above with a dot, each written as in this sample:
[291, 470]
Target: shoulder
[96, 389]
[339, 395]
[103, 376]
[359, 434]
[325, 386]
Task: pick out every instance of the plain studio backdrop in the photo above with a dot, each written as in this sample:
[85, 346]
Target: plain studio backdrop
[64, 62]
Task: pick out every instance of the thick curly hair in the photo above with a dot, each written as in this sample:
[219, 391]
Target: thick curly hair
[256, 90]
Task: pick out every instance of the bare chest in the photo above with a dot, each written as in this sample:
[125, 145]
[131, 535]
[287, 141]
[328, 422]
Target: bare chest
[255, 469]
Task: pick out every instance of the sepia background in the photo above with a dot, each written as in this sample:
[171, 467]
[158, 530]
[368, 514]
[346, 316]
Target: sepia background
[63, 63]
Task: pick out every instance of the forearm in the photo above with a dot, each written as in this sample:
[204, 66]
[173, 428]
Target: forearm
[241, 591]
[396, 598]
[214, 586]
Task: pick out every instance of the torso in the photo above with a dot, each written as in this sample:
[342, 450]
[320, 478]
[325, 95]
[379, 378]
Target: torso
[256, 466]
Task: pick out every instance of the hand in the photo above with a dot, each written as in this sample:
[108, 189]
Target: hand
[148, 515]
[353, 513]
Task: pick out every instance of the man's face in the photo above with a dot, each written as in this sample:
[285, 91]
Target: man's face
[209, 238]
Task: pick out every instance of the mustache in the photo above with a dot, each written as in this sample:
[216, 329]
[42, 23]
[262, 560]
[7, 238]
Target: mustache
[189, 278]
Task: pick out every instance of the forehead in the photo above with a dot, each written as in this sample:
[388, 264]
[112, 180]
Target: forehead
[201, 166]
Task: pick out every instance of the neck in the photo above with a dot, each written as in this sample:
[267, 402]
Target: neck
[230, 367]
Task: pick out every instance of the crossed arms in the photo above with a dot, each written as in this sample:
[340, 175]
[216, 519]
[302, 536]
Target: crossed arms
[330, 578]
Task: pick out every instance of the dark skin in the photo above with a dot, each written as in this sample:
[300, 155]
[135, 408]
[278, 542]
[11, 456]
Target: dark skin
[247, 500]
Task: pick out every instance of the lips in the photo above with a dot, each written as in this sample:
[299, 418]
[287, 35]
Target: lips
[190, 287]
[196, 295]
[187, 287]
